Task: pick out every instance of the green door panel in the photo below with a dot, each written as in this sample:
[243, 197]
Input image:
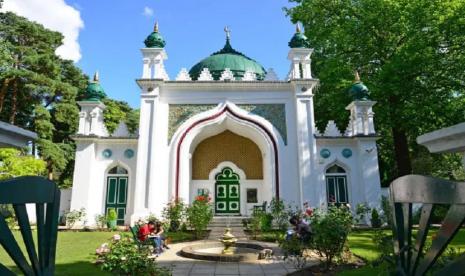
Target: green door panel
[227, 192]
[117, 193]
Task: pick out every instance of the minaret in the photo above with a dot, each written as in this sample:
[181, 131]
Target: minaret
[91, 115]
[299, 55]
[153, 56]
[361, 109]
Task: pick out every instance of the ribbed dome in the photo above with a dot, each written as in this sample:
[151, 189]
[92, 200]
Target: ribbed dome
[227, 57]
[299, 40]
[94, 91]
[155, 40]
[358, 90]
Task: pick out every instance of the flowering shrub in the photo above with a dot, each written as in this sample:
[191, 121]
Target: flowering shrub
[199, 214]
[121, 256]
[330, 230]
[74, 216]
[173, 214]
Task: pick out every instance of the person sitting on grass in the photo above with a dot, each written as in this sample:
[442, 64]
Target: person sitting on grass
[301, 229]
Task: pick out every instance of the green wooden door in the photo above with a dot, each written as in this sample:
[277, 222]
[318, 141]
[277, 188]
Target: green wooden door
[117, 194]
[227, 192]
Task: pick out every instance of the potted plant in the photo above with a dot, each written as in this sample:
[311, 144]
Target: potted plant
[111, 218]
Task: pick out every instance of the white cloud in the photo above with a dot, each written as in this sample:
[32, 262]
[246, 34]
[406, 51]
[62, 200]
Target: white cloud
[147, 12]
[55, 15]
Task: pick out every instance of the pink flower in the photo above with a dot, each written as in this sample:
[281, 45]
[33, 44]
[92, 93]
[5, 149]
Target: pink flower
[116, 237]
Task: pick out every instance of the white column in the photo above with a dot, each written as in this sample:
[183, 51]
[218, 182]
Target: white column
[83, 177]
[82, 123]
[361, 115]
[369, 170]
[306, 145]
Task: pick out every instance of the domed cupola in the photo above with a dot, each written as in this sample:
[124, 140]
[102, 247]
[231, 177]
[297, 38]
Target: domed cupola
[228, 57]
[359, 91]
[155, 40]
[94, 91]
[299, 40]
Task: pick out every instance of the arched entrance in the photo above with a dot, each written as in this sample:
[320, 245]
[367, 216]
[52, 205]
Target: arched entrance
[225, 117]
[117, 192]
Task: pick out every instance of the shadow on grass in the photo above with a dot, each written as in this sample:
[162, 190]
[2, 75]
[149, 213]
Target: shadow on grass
[77, 268]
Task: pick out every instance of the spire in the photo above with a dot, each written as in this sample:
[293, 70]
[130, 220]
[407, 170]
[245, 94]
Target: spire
[297, 28]
[299, 40]
[155, 27]
[228, 32]
[96, 76]
[357, 76]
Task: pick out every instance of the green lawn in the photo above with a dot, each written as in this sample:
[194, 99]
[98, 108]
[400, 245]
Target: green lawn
[360, 243]
[75, 251]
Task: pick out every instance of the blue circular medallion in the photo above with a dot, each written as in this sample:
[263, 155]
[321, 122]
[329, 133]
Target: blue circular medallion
[129, 153]
[347, 153]
[106, 153]
[325, 153]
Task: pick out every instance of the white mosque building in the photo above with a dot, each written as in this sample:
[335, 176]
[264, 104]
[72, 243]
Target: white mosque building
[229, 128]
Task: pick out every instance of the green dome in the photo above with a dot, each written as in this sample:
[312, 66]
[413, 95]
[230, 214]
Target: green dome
[299, 40]
[227, 57]
[155, 40]
[359, 91]
[94, 91]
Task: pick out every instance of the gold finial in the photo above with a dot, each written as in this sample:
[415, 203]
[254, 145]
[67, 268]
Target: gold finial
[96, 77]
[155, 28]
[357, 76]
[297, 28]
[228, 32]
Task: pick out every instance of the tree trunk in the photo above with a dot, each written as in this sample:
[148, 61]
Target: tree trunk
[5, 84]
[402, 154]
[14, 101]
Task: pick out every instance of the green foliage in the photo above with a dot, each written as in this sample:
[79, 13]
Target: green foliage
[199, 214]
[375, 220]
[410, 55]
[294, 251]
[117, 112]
[279, 213]
[266, 222]
[330, 230]
[173, 214]
[38, 91]
[125, 258]
[387, 212]
[111, 215]
[361, 210]
[14, 163]
[74, 216]
[100, 221]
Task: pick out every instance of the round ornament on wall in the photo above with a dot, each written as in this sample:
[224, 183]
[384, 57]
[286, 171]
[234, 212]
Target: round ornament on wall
[325, 153]
[129, 153]
[347, 153]
[107, 153]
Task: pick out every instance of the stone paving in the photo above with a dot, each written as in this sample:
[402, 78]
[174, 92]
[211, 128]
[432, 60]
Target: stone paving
[184, 266]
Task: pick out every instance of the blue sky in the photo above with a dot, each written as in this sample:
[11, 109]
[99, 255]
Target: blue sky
[114, 31]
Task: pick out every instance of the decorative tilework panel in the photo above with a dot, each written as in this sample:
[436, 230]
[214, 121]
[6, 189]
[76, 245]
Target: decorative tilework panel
[274, 113]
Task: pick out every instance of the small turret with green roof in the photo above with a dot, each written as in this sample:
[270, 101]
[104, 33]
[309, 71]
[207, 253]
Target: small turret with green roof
[155, 40]
[359, 91]
[299, 40]
[94, 91]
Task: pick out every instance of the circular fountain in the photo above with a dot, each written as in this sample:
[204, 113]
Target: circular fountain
[228, 249]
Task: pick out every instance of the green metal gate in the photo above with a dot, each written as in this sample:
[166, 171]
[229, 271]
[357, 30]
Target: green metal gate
[117, 194]
[227, 192]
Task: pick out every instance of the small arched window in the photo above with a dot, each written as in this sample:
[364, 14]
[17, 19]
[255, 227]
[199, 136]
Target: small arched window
[336, 185]
[117, 170]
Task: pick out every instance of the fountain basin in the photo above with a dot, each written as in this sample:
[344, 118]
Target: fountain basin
[212, 251]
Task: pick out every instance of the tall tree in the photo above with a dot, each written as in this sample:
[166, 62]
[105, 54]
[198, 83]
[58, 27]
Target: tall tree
[38, 89]
[410, 53]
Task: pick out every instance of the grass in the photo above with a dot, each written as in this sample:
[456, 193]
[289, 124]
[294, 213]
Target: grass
[361, 244]
[75, 251]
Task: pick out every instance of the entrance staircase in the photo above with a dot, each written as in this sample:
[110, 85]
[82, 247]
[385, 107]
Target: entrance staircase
[218, 224]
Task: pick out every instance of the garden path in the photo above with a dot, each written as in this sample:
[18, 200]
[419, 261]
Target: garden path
[184, 266]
